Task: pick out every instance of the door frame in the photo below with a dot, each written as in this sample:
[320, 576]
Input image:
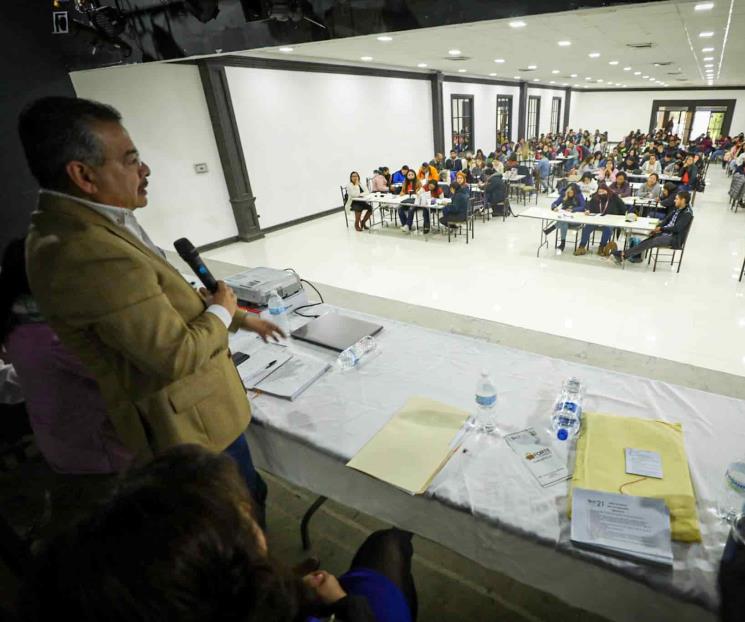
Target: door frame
[691, 105]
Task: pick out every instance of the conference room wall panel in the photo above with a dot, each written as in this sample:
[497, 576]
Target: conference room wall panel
[545, 112]
[303, 133]
[165, 111]
[485, 111]
[619, 112]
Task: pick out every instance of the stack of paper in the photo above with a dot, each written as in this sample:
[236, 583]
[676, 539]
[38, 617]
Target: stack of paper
[632, 527]
[413, 446]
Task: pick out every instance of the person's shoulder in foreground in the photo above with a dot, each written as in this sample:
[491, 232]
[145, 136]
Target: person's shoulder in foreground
[134, 559]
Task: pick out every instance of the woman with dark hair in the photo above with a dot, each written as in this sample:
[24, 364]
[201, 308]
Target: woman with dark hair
[66, 410]
[571, 200]
[178, 540]
[354, 189]
[603, 202]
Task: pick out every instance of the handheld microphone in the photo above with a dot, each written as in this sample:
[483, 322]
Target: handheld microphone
[189, 254]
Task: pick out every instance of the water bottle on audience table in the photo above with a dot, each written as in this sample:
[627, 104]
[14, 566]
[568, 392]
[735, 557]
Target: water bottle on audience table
[354, 354]
[485, 419]
[567, 416]
[278, 312]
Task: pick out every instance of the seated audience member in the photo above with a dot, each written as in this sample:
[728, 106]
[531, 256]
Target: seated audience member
[379, 181]
[438, 162]
[454, 163]
[429, 190]
[400, 175]
[650, 190]
[669, 233]
[476, 170]
[542, 169]
[652, 166]
[178, 540]
[480, 155]
[608, 174]
[669, 165]
[498, 166]
[597, 160]
[603, 202]
[65, 407]
[666, 202]
[458, 208]
[587, 185]
[411, 187]
[586, 166]
[621, 187]
[427, 172]
[571, 200]
[688, 174]
[630, 163]
[354, 189]
[495, 191]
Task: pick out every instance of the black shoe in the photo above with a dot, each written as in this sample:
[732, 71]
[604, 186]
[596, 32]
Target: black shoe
[562, 245]
[549, 230]
[426, 230]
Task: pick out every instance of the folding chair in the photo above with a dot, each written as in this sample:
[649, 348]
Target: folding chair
[456, 226]
[656, 252]
[344, 198]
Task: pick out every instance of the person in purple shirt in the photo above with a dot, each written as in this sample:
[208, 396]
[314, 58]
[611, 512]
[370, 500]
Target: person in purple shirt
[65, 408]
[178, 540]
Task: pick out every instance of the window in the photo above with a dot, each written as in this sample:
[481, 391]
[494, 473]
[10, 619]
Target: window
[461, 122]
[504, 117]
[555, 115]
[534, 112]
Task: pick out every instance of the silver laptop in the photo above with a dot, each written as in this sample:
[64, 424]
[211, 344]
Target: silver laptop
[335, 331]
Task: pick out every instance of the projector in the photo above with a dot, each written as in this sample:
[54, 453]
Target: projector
[255, 285]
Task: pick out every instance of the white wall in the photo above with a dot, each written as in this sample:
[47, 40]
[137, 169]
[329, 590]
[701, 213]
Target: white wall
[303, 133]
[619, 112]
[166, 115]
[544, 123]
[485, 111]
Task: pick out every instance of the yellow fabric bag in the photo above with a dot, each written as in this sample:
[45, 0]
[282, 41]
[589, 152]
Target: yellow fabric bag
[601, 465]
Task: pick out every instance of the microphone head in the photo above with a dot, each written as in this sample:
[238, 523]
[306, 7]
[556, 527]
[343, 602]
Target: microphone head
[184, 248]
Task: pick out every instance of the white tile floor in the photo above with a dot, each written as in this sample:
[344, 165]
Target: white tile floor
[695, 317]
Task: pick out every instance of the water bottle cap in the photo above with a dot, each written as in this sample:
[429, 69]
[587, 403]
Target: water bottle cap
[562, 434]
[736, 476]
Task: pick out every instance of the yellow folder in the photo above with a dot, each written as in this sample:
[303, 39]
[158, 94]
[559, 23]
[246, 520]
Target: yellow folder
[413, 446]
[601, 465]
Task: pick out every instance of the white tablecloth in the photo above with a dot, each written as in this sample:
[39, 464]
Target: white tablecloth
[484, 504]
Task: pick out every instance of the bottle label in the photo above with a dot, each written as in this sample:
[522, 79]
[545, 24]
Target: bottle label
[486, 400]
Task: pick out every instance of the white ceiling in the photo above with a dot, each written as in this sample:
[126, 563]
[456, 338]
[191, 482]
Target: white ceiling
[672, 26]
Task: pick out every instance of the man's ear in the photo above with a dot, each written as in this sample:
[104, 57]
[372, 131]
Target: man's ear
[82, 176]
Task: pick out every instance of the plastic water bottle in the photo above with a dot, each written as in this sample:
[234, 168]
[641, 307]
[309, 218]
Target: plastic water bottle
[278, 312]
[352, 356]
[486, 404]
[567, 415]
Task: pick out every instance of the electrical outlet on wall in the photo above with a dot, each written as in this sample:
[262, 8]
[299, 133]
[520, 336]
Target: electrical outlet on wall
[201, 168]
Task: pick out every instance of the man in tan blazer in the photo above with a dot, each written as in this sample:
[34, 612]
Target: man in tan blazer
[158, 350]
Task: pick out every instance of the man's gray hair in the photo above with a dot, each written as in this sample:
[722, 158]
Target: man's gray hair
[58, 130]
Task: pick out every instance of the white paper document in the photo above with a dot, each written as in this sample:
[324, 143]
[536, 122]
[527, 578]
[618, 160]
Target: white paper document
[633, 527]
[543, 463]
[643, 462]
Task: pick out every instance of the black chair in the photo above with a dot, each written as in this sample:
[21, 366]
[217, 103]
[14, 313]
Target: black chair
[456, 226]
[344, 198]
[742, 270]
[672, 252]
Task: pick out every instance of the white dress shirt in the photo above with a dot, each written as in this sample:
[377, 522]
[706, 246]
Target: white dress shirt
[126, 218]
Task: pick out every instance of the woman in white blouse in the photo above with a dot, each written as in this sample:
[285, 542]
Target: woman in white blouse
[354, 189]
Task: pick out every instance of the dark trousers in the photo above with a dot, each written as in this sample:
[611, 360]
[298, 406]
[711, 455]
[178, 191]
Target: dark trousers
[407, 215]
[389, 552]
[240, 452]
[662, 240]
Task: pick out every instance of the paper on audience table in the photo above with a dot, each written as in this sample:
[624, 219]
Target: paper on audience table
[413, 446]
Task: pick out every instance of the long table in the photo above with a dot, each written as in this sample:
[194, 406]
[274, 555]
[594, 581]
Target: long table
[484, 504]
[547, 215]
